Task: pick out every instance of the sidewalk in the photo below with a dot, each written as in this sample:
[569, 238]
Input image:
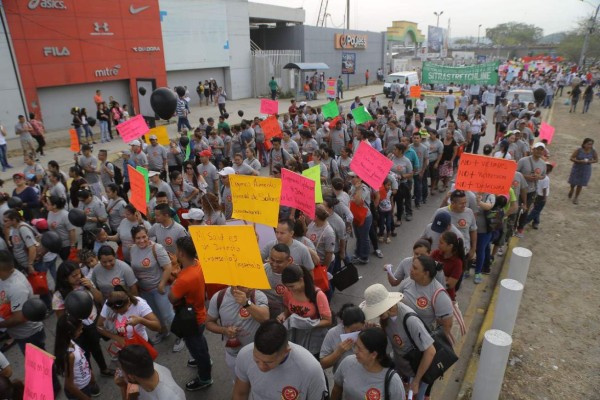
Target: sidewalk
[57, 147]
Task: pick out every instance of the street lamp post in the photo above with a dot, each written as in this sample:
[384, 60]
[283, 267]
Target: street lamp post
[478, 31]
[586, 40]
[438, 15]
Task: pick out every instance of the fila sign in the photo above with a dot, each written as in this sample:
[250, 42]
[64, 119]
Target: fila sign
[56, 52]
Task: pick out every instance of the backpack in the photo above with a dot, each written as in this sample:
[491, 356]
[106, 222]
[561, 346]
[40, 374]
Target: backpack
[118, 174]
[494, 219]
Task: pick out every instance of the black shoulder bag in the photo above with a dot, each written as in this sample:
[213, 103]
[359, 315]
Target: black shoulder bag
[444, 354]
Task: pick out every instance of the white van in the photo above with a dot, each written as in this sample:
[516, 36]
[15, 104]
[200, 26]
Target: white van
[401, 77]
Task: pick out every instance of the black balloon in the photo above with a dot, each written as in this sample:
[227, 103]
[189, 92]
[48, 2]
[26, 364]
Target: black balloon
[539, 95]
[15, 202]
[241, 113]
[91, 121]
[180, 90]
[142, 90]
[77, 217]
[79, 304]
[34, 309]
[226, 115]
[184, 141]
[52, 241]
[163, 102]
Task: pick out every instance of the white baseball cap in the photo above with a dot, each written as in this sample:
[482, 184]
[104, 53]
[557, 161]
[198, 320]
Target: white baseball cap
[227, 171]
[194, 213]
[135, 143]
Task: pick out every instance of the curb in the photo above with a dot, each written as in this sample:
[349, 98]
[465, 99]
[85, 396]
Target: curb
[471, 371]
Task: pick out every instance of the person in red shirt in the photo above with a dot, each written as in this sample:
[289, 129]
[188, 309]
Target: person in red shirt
[293, 110]
[451, 253]
[98, 98]
[189, 288]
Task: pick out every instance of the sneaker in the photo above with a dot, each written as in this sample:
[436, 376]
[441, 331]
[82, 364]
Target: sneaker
[477, 279]
[409, 217]
[159, 338]
[9, 166]
[95, 390]
[486, 271]
[500, 251]
[535, 226]
[467, 274]
[378, 253]
[192, 363]
[394, 234]
[362, 261]
[380, 239]
[388, 240]
[519, 233]
[197, 384]
[178, 345]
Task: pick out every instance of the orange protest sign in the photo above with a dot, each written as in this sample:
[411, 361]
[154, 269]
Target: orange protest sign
[271, 128]
[415, 91]
[138, 190]
[74, 140]
[485, 174]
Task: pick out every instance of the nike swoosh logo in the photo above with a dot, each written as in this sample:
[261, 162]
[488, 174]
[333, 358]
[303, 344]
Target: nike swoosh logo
[134, 10]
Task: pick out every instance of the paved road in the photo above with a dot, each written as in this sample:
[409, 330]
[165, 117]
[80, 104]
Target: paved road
[400, 248]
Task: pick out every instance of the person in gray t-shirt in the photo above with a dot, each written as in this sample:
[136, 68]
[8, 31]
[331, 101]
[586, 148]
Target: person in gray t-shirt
[111, 272]
[166, 231]
[271, 368]
[156, 155]
[299, 252]
[322, 235]
[91, 170]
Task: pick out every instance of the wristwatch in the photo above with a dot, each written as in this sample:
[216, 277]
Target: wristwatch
[248, 303]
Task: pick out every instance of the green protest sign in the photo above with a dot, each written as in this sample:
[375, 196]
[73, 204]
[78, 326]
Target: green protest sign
[361, 115]
[144, 172]
[330, 110]
[479, 74]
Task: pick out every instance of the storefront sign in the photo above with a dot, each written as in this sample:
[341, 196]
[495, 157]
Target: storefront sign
[101, 29]
[348, 63]
[48, 4]
[480, 74]
[146, 49]
[56, 52]
[107, 72]
[349, 41]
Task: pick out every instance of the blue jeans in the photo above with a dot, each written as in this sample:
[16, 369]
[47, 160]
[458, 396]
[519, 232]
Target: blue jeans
[160, 304]
[362, 238]
[473, 147]
[385, 222]
[418, 188]
[548, 101]
[534, 214]
[483, 250]
[198, 348]
[181, 122]
[104, 132]
[3, 159]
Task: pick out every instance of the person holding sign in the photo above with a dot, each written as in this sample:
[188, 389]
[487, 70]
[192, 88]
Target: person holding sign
[360, 200]
[279, 259]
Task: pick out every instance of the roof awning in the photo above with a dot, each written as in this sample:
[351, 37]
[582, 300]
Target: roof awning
[306, 66]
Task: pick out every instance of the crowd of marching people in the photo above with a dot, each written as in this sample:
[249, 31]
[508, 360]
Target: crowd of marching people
[143, 274]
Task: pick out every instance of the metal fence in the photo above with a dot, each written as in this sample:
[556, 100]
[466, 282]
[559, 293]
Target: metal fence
[269, 63]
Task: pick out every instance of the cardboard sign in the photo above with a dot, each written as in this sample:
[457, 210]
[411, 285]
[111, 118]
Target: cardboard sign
[485, 174]
[331, 88]
[314, 173]
[370, 165]
[38, 374]
[330, 110]
[547, 132]
[229, 255]
[139, 184]
[297, 191]
[133, 128]
[144, 172]
[271, 128]
[255, 198]
[269, 107]
[361, 115]
[161, 135]
[264, 234]
[415, 91]
[74, 141]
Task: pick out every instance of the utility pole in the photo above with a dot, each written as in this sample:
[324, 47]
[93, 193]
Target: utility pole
[438, 15]
[478, 32]
[348, 14]
[586, 40]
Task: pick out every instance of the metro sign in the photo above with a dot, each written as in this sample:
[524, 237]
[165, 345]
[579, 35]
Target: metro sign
[56, 52]
[107, 72]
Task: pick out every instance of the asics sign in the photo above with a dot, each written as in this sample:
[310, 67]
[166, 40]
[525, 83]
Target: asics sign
[48, 4]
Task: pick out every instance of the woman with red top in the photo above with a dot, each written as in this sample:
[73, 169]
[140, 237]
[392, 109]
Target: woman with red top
[306, 311]
[451, 253]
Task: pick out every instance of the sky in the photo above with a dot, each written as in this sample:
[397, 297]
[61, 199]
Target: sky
[465, 15]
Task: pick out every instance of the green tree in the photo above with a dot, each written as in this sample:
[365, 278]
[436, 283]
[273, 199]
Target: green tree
[514, 34]
[570, 46]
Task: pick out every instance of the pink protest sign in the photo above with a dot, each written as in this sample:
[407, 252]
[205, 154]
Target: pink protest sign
[331, 88]
[370, 165]
[546, 132]
[269, 107]
[38, 374]
[298, 192]
[133, 128]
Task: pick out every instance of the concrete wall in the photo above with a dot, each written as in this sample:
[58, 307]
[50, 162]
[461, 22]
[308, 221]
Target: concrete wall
[10, 99]
[190, 78]
[238, 76]
[317, 45]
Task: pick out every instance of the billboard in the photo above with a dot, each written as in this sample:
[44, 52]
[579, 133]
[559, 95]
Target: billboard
[350, 41]
[435, 39]
[196, 31]
[348, 63]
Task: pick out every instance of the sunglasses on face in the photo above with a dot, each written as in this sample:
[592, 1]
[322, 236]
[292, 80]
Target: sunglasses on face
[116, 304]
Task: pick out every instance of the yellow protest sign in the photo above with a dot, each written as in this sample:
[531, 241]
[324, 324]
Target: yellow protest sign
[229, 255]
[161, 134]
[314, 173]
[255, 198]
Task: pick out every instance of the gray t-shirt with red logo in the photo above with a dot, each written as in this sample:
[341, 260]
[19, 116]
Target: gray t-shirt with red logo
[14, 292]
[231, 313]
[358, 383]
[275, 294]
[420, 298]
[298, 251]
[105, 280]
[464, 221]
[147, 268]
[298, 377]
[167, 236]
[59, 223]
